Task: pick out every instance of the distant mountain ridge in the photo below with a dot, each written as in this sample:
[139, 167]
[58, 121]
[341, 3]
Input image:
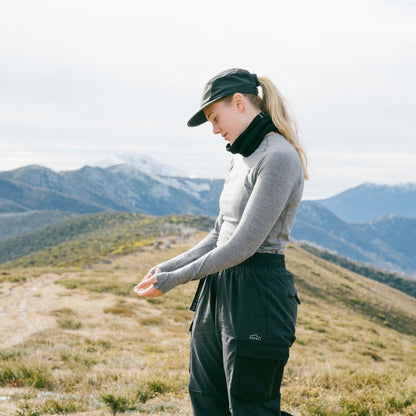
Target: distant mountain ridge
[115, 188]
[370, 201]
[387, 243]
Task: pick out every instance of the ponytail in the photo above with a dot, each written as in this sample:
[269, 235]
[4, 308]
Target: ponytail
[274, 104]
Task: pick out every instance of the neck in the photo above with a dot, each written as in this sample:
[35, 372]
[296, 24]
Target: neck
[250, 139]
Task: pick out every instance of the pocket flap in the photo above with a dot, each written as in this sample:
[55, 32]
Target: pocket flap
[257, 350]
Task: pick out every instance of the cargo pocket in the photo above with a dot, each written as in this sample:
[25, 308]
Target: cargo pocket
[294, 294]
[258, 371]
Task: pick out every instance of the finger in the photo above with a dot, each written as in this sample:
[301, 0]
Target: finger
[152, 273]
[143, 293]
[139, 292]
[150, 292]
[149, 277]
[147, 281]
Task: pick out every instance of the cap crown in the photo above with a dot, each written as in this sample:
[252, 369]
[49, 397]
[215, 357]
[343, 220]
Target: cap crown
[225, 84]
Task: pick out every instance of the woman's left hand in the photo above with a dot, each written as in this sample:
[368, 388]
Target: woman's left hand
[145, 288]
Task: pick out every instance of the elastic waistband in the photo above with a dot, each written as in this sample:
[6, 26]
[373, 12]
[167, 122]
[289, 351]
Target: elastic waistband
[264, 260]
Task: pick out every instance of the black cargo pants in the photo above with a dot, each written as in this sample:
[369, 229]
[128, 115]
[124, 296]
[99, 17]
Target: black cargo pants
[243, 327]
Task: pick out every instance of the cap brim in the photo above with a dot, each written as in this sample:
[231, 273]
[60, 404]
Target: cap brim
[197, 119]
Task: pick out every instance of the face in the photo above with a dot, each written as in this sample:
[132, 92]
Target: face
[227, 119]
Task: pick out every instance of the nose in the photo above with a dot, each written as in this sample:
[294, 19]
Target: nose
[215, 129]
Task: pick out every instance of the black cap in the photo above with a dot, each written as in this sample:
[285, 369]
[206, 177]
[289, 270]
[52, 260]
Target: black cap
[225, 84]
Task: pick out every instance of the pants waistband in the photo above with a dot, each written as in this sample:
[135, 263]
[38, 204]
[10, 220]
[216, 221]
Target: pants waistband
[256, 260]
[264, 260]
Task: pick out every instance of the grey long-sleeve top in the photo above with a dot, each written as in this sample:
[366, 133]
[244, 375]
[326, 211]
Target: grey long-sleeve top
[257, 209]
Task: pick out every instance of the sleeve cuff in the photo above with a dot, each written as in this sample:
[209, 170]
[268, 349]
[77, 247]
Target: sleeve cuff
[164, 282]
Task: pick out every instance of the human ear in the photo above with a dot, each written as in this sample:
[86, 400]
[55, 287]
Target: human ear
[239, 101]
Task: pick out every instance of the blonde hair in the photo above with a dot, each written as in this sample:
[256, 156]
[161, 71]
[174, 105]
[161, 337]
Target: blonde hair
[275, 105]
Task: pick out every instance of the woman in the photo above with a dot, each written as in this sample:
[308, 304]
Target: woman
[246, 306]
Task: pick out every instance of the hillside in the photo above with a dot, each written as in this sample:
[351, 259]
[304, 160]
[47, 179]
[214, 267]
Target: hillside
[82, 239]
[87, 238]
[76, 339]
[400, 282]
[13, 224]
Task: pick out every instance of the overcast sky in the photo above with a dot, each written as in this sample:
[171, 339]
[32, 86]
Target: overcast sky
[84, 79]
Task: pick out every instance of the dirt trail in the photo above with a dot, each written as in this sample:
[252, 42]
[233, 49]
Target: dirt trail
[18, 307]
[27, 308]
[22, 313]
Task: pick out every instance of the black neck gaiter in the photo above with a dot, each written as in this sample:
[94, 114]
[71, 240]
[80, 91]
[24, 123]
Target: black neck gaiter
[249, 140]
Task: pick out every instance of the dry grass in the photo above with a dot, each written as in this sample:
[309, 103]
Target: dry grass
[82, 343]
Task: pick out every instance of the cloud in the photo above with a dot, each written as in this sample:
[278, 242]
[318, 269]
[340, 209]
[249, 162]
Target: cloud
[89, 77]
[333, 172]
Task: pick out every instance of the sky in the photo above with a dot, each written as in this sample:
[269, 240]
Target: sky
[81, 80]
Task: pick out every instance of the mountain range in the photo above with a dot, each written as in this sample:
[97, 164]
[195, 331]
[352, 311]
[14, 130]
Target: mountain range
[373, 224]
[387, 242]
[370, 201]
[113, 188]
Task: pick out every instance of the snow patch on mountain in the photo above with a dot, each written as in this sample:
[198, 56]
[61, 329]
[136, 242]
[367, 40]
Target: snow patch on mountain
[192, 188]
[198, 187]
[144, 163]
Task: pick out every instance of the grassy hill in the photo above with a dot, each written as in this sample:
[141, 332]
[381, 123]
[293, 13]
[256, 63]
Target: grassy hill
[404, 283]
[89, 238]
[81, 341]
[14, 224]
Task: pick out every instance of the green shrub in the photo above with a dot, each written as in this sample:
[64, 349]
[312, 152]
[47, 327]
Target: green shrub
[119, 310]
[68, 323]
[116, 404]
[24, 375]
